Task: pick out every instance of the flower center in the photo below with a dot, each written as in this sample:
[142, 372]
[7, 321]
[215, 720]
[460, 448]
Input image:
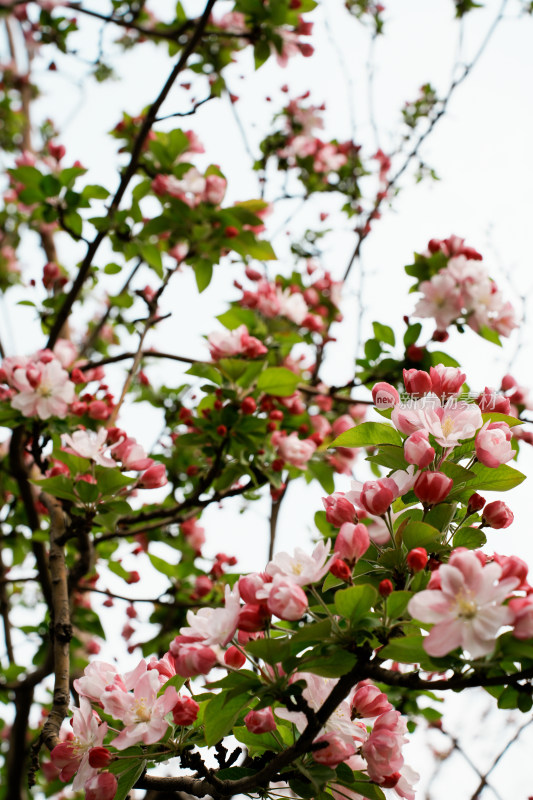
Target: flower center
[447, 426]
[141, 711]
[466, 607]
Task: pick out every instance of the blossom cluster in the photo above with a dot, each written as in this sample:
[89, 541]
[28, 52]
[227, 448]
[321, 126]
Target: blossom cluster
[462, 292]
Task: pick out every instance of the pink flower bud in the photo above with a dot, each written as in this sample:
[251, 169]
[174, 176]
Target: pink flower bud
[493, 444]
[475, 503]
[203, 585]
[446, 381]
[417, 449]
[253, 617]
[352, 541]
[432, 487]
[491, 400]
[250, 584]
[339, 509]
[341, 570]
[234, 658]
[260, 721]
[102, 786]
[384, 395]
[497, 515]
[337, 749]
[154, 477]
[287, 600]
[185, 711]
[194, 659]
[417, 559]
[99, 757]
[385, 587]
[376, 496]
[368, 701]
[417, 382]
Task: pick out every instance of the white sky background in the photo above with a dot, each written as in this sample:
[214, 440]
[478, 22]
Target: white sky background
[482, 152]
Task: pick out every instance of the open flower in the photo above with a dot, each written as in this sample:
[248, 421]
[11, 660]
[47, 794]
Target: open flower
[467, 610]
[89, 444]
[142, 712]
[302, 568]
[72, 756]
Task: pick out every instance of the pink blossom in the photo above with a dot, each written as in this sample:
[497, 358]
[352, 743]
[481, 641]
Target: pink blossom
[382, 750]
[285, 598]
[260, 720]
[315, 693]
[225, 344]
[454, 422]
[417, 449]
[376, 496]
[352, 541]
[441, 300]
[193, 658]
[368, 701]
[417, 382]
[214, 625]
[432, 487]
[339, 509]
[302, 568]
[131, 454]
[44, 389]
[493, 444]
[292, 306]
[497, 515]
[142, 711]
[90, 445]
[154, 477]
[292, 449]
[467, 610]
[446, 381]
[72, 757]
[215, 189]
[336, 750]
[102, 786]
[384, 395]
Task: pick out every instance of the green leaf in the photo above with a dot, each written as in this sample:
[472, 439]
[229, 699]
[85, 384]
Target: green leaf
[73, 222]
[440, 515]
[278, 381]
[494, 416]
[256, 742]
[203, 272]
[110, 481]
[163, 566]
[412, 333]
[420, 534]
[397, 603]
[323, 474]
[112, 269]
[58, 486]
[129, 778]
[95, 192]
[489, 334]
[354, 602]
[500, 479]
[384, 333]
[151, 254]
[207, 371]
[221, 715]
[456, 472]
[369, 790]
[50, 186]
[470, 538]
[247, 245]
[236, 316]
[407, 650]
[329, 664]
[367, 434]
[270, 650]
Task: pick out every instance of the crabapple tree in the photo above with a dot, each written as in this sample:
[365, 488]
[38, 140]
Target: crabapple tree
[304, 677]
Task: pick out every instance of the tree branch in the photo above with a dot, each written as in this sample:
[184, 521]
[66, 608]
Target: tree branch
[128, 174]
